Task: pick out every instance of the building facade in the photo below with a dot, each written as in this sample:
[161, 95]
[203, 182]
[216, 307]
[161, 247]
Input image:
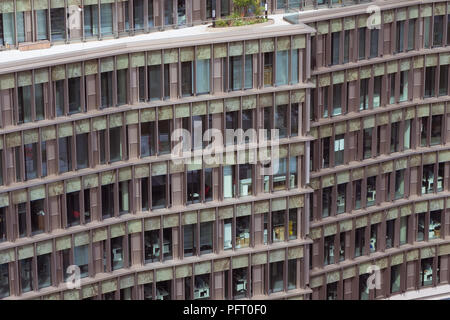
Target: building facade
[91, 93]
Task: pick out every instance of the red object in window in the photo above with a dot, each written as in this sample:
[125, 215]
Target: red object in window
[76, 214]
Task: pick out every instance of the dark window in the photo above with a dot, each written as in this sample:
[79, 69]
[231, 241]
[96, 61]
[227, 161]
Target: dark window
[107, 201]
[158, 192]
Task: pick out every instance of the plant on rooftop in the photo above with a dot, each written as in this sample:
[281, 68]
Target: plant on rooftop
[246, 12]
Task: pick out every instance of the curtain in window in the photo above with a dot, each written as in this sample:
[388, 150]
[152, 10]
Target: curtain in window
[282, 67]
[203, 76]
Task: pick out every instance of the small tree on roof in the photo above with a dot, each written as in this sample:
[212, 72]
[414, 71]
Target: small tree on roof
[242, 6]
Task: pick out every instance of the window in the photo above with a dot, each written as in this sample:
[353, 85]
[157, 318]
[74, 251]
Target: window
[411, 34]
[154, 82]
[122, 87]
[31, 160]
[407, 135]
[44, 270]
[341, 192]
[335, 47]
[58, 24]
[26, 275]
[390, 233]
[242, 232]
[181, 12]
[339, 149]
[247, 124]
[245, 180]
[438, 31]
[293, 172]
[268, 121]
[138, 14]
[294, 66]
[117, 256]
[106, 18]
[164, 136]
[367, 143]
[107, 201]
[400, 33]
[115, 144]
[193, 186]
[228, 182]
[74, 85]
[374, 42]
[421, 227]
[428, 179]
[403, 230]
[147, 139]
[358, 193]
[186, 79]
[337, 99]
[206, 237]
[371, 190]
[4, 280]
[106, 89]
[39, 100]
[440, 179]
[65, 154]
[278, 226]
[59, 97]
[292, 224]
[276, 283]
[436, 129]
[423, 131]
[168, 13]
[326, 201]
[395, 278]
[435, 225]
[403, 86]
[332, 291]
[82, 150]
[124, 197]
[363, 287]
[373, 237]
[236, 72]
[281, 120]
[282, 67]
[395, 133]
[328, 253]
[346, 46]
[190, 239]
[240, 277]
[359, 241]
[364, 94]
[24, 104]
[227, 234]
[443, 80]
[152, 246]
[429, 81]
[202, 74]
[391, 85]
[377, 91]
[399, 183]
[201, 286]
[426, 32]
[426, 272]
[279, 178]
[268, 68]
[362, 43]
[158, 192]
[73, 208]
[90, 20]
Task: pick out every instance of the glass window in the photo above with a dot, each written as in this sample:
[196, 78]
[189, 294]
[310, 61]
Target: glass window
[121, 87]
[65, 154]
[337, 99]
[373, 237]
[326, 201]
[371, 190]
[282, 67]
[363, 287]
[426, 32]
[281, 120]
[421, 227]
[242, 232]
[82, 150]
[293, 172]
[106, 18]
[332, 291]
[435, 224]
[346, 45]
[443, 80]
[268, 68]
[73, 208]
[438, 31]
[326, 152]
[154, 82]
[328, 253]
[360, 241]
[186, 79]
[364, 94]
[279, 177]
[158, 192]
[362, 43]
[4, 280]
[411, 34]
[124, 197]
[228, 182]
[341, 193]
[206, 237]
[3, 226]
[106, 89]
[426, 272]
[236, 72]
[367, 143]
[202, 74]
[428, 179]
[147, 139]
[117, 253]
[395, 278]
[292, 224]
[399, 183]
[240, 277]
[107, 201]
[190, 239]
[395, 133]
[164, 136]
[276, 283]
[400, 33]
[115, 144]
[403, 230]
[245, 180]
[26, 275]
[59, 97]
[74, 95]
[390, 233]
[335, 47]
[30, 157]
[58, 24]
[44, 270]
[403, 86]
[436, 129]
[278, 226]
[152, 250]
[193, 186]
[294, 119]
[429, 81]
[227, 234]
[90, 20]
[208, 184]
[294, 66]
[339, 147]
[24, 101]
[374, 42]
[39, 100]
[138, 14]
[201, 286]
[358, 193]
[423, 131]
